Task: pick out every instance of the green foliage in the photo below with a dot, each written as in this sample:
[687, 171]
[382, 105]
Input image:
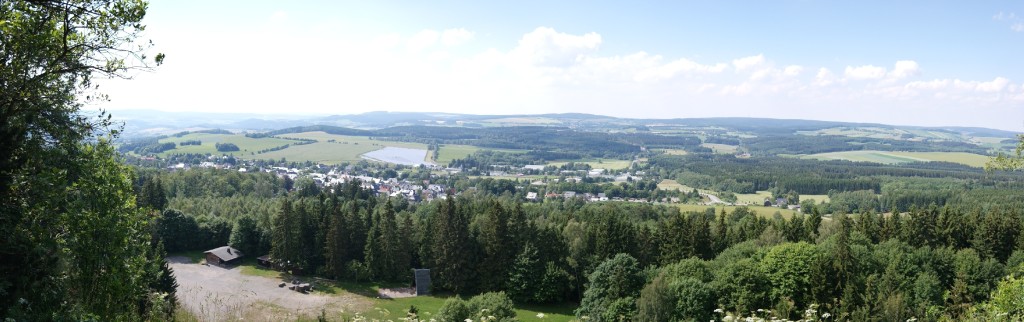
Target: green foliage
[492, 304]
[454, 309]
[247, 237]
[227, 147]
[614, 279]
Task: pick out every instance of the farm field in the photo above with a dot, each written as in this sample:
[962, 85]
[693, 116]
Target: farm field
[970, 159]
[762, 211]
[720, 148]
[758, 198]
[245, 144]
[608, 164]
[448, 152]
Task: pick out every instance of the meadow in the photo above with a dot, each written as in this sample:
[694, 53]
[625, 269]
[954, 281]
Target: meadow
[970, 159]
[245, 144]
[607, 164]
[720, 148]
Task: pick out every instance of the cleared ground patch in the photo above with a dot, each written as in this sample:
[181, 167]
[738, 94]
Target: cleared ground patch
[970, 159]
[761, 211]
[720, 148]
[608, 164]
[250, 293]
[676, 152]
[758, 198]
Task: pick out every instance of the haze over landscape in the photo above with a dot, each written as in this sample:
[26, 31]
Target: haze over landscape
[909, 63]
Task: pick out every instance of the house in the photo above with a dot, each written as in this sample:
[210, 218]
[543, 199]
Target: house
[538, 167]
[531, 196]
[225, 255]
[569, 194]
[781, 202]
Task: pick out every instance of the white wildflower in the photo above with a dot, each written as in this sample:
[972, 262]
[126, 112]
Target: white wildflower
[540, 315]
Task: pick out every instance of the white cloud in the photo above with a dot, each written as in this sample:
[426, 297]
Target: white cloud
[793, 70]
[455, 37]
[824, 77]
[545, 71]
[545, 46]
[1018, 27]
[996, 85]
[864, 72]
[748, 62]
[422, 40]
[904, 69]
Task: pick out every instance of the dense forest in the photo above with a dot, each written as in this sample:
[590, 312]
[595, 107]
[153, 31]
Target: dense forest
[644, 261]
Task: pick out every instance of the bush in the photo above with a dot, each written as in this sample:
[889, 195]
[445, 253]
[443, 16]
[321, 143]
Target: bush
[453, 310]
[226, 147]
[496, 304]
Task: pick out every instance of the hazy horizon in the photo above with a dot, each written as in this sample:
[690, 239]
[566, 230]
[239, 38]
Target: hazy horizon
[909, 63]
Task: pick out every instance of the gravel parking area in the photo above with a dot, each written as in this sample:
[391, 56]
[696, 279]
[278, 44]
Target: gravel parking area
[215, 293]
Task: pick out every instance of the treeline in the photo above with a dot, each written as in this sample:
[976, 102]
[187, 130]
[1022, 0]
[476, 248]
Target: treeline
[146, 146]
[810, 144]
[636, 260]
[810, 176]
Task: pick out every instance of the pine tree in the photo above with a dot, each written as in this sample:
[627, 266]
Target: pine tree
[497, 247]
[451, 254]
[335, 250]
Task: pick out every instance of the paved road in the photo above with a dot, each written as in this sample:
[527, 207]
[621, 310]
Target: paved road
[214, 293]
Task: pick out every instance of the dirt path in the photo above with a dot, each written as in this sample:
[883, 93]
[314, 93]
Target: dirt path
[215, 293]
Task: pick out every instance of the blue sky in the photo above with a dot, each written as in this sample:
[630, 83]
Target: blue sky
[898, 62]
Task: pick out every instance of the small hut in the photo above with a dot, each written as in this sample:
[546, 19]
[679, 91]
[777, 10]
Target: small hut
[422, 277]
[225, 255]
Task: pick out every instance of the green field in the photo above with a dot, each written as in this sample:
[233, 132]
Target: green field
[762, 211]
[344, 148]
[209, 141]
[608, 164]
[449, 152]
[758, 198]
[970, 159]
[387, 309]
[720, 148]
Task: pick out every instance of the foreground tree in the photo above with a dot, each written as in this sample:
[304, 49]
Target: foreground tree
[1013, 161]
[74, 245]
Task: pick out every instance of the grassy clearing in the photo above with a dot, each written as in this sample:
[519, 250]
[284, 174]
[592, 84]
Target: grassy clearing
[343, 148]
[720, 148]
[762, 211]
[449, 152]
[675, 152]
[428, 306]
[608, 164]
[758, 197]
[970, 159]
[209, 141]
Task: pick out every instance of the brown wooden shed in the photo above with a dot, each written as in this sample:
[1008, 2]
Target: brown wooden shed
[225, 255]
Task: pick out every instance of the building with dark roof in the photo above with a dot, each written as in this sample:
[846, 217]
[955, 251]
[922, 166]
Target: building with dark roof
[225, 255]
